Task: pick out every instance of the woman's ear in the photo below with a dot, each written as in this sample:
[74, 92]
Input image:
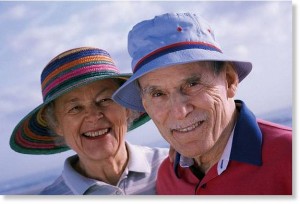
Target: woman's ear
[58, 130]
[232, 80]
[49, 116]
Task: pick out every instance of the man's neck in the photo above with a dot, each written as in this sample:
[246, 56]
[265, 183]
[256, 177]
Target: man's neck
[206, 161]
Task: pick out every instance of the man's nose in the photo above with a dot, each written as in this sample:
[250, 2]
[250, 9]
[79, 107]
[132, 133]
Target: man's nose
[180, 106]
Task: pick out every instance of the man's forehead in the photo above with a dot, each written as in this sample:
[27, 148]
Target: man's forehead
[179, 73]
[157, 84]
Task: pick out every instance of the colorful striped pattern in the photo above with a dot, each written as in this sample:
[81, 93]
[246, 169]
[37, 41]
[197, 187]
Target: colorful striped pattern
[73, 66]
[173, 48]
[67, 71]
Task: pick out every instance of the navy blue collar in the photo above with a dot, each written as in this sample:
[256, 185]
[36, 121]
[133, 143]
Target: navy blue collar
[247, 138]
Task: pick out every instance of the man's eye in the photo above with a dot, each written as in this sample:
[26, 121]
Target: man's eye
[191, 84]
[192, 87]
[156, 94]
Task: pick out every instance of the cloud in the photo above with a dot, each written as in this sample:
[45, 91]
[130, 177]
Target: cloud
[18, 98]
[17, 12]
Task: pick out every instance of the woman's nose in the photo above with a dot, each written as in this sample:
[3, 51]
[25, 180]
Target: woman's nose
[93, 112]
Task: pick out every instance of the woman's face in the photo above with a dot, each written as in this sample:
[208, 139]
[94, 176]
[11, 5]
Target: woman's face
[93, 125]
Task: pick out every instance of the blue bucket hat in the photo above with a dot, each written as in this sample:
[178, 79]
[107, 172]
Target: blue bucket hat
[170, 39]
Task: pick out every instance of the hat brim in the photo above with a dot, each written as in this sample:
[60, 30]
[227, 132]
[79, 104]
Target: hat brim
[128, 94]
[33, 136]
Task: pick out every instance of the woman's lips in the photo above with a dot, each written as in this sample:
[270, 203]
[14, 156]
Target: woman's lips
[93, 134]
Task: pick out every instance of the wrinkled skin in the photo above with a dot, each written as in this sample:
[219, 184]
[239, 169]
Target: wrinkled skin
[94, 126]
[193, 108]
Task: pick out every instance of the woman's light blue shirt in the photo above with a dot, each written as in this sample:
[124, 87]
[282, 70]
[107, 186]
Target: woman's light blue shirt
[138, 178]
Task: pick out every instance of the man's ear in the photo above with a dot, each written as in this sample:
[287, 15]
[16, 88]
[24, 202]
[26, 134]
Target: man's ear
[128, 113]
[232, 80]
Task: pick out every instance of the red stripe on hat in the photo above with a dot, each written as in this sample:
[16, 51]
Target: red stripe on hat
[172, 46]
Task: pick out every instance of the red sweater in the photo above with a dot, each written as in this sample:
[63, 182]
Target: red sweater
[260, 164]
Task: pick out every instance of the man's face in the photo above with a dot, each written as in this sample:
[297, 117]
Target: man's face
[189, 104]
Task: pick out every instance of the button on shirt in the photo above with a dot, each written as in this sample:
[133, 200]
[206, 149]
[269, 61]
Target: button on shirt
[138, 178]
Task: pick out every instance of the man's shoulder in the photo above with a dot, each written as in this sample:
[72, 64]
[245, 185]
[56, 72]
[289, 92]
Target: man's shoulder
[277, 140]
[275, 126]
[274, 129]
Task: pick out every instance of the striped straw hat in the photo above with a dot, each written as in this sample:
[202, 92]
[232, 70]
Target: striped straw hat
[67, 71]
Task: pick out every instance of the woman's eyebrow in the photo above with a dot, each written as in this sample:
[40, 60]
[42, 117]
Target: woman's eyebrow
[75, 99]
[71, 100]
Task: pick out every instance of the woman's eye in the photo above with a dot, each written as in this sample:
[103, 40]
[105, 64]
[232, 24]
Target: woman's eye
[104, 101]
[74, 109]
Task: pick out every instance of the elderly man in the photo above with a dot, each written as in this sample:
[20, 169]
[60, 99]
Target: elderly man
[187, 85]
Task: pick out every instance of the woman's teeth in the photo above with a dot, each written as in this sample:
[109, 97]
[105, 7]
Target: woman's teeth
[96, 133]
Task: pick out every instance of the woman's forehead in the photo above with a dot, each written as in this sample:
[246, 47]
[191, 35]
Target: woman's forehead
[106, 86]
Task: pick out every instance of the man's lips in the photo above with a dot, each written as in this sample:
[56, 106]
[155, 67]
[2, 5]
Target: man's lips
[188, 128]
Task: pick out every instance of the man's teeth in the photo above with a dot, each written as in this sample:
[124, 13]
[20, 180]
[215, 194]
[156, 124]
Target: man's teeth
[97, 133]
[189, 128]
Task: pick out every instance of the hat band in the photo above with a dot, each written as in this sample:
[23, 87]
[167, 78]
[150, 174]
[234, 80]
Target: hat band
[173, 48]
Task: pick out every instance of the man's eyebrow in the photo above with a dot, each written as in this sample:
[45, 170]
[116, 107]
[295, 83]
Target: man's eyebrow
[192, 78]
[149, 89]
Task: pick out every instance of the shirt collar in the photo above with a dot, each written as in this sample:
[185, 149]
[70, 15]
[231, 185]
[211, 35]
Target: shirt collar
[79, 184]
[244, 144]
[74, 180]
[186, 162]
[223, 162]
[247, 138]
[137, 159]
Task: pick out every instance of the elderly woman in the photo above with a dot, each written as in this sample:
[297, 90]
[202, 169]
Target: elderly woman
[78, 113]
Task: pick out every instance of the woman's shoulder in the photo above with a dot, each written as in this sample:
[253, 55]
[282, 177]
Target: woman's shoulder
[58, 187]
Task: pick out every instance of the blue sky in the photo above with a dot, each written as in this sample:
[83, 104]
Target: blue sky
[32, 33]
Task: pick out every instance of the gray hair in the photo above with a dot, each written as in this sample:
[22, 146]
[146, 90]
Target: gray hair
[218, 66]
[48, 115]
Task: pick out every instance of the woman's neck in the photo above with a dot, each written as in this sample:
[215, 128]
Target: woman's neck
[109, 170]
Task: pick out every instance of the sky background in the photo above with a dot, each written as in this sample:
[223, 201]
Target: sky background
[32, 33]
